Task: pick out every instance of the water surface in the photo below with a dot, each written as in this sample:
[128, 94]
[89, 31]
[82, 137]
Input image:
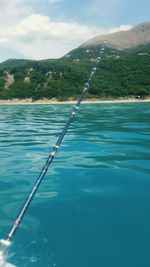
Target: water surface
[93, 208]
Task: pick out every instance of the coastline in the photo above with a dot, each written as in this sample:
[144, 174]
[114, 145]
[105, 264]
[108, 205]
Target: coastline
[29, 101]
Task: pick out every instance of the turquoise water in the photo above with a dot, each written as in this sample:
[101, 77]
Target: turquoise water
[93, 208]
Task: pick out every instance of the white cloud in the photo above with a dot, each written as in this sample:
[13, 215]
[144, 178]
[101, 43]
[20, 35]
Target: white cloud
[120, 28]
[39, 37]
[12, 11]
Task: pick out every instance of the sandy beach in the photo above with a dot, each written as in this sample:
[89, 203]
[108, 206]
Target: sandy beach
[29, 101]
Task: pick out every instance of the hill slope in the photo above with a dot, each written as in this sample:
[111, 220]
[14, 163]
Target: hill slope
[118, 43]
[139, 35]
[123, 72]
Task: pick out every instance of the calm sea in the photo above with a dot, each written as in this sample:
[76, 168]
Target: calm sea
[93, 208]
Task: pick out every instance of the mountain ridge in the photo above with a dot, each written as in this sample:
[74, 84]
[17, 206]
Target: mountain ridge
[122, 73]
[138, 35]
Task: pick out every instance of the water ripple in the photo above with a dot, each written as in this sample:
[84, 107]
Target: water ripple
[104, 157]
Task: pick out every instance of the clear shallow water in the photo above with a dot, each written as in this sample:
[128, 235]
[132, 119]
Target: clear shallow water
[93, 207]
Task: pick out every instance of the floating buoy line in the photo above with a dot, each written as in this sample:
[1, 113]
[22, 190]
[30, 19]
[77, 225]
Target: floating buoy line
[5, 243]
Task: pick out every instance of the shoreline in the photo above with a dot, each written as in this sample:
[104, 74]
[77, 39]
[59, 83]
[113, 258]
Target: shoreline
[56, 102]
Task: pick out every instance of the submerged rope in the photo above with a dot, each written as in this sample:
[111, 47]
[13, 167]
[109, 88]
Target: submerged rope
[54, 150]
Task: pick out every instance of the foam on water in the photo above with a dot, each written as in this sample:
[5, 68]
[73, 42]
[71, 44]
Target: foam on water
[6, 264]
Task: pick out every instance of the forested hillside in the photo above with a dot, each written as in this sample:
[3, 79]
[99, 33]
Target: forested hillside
[120, 74]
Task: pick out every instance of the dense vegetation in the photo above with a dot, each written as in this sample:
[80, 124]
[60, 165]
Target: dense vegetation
[121, 74]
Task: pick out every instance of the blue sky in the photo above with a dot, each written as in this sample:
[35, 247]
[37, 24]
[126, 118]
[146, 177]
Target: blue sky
[98, 13]
[39, 29]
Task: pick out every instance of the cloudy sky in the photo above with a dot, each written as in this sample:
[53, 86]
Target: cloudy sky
[40, 29]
